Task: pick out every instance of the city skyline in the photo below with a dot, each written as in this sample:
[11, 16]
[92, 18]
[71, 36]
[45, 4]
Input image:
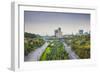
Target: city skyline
[45, 23]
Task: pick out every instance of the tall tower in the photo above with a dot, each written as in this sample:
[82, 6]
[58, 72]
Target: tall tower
[81, 32]
[58, 33]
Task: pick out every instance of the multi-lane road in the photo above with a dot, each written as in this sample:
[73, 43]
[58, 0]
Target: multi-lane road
[71, 53]
[35, 55]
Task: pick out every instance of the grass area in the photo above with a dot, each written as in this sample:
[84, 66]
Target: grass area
[54, 51]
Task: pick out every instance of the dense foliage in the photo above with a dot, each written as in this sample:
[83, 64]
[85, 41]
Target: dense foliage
[80, 44]
[32, 42]
[29, 35]
[54, 51]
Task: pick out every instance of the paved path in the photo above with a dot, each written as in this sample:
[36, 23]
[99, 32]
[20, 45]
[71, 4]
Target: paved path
[70, 52]
[35, 55]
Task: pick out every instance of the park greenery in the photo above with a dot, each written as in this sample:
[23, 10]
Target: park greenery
[54, 51]
[80, 44]
[32, 42]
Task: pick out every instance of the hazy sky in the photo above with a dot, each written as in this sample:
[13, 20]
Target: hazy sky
[44, 23]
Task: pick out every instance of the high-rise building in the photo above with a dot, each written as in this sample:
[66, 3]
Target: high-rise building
[81, 32]
[58, 33]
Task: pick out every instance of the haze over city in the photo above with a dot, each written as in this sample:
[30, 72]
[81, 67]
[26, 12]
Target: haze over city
[45, 23]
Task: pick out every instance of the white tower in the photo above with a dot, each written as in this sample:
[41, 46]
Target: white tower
[58, 33]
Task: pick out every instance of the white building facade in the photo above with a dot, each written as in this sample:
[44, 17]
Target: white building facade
[58, 33]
